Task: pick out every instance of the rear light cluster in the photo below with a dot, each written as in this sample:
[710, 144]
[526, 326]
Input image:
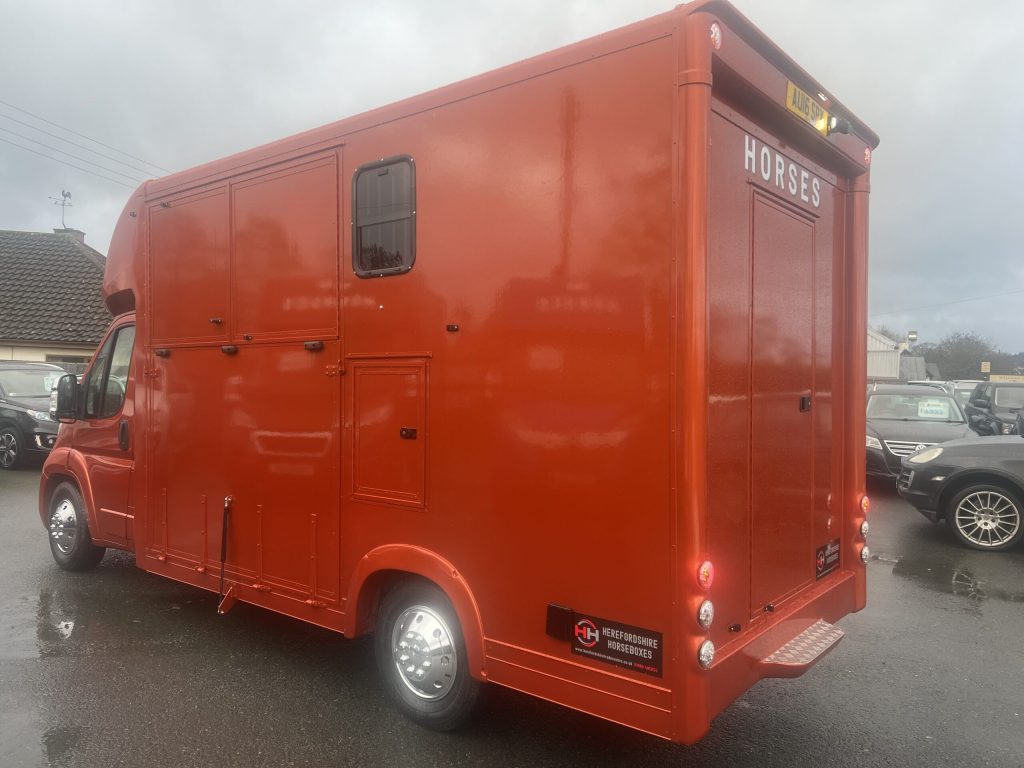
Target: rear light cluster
[706, 614]
[865, 506]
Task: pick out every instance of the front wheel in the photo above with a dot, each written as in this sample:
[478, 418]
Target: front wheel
[421, 656]
[12, 453]
[986, 517]
[70, 541]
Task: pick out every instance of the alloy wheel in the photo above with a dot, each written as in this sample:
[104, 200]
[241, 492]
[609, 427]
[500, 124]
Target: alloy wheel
[987, 518]
[8, 449]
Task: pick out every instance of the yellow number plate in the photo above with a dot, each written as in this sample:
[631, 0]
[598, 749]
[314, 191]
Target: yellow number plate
[799, 103]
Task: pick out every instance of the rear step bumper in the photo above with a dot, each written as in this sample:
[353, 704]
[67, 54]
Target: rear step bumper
[741, 663]
[796, 656]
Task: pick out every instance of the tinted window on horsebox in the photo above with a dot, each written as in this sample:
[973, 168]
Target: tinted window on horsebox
[384, 231]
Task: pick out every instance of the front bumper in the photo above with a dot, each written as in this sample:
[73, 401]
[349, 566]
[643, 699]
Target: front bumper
[921, 487]
[882, 463]
[41, 441]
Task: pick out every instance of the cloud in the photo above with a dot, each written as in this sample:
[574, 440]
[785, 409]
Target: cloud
[183, 83]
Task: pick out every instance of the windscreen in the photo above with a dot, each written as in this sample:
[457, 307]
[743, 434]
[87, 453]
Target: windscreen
[923, 407]
[1009, 397]
[29, 383]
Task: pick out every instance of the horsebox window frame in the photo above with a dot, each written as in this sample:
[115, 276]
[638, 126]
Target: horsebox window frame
[361, 220]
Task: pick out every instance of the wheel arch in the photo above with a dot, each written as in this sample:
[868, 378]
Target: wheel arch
[384, 567]
[959, 482]
[70, 468]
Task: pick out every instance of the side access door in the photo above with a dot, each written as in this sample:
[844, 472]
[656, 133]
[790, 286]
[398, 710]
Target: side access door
[103, 435]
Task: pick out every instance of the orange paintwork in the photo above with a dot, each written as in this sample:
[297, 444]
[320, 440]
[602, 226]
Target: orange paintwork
[639, 310]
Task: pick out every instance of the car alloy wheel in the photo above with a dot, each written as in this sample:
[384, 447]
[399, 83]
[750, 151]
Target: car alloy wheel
[10, 451]
[987, 517]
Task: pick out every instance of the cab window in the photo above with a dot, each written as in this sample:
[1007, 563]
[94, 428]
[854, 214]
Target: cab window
[108, 378]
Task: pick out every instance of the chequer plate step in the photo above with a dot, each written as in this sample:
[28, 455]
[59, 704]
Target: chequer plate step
[808, 645]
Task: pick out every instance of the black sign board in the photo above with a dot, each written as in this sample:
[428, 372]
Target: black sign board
[826, 558]
[619, 644]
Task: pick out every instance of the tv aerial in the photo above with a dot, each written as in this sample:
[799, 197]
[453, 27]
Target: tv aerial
[64, 202]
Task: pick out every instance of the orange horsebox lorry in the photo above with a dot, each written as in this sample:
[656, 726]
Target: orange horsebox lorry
[553, 378]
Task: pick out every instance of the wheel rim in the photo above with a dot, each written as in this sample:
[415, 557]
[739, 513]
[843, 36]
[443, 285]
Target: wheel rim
[64, 526]
[987, 518]
[423, 649]
[8, 450]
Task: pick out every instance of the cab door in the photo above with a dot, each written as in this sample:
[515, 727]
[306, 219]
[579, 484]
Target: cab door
[103, 435]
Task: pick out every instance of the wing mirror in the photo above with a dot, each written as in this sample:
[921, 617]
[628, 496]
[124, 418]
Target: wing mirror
[67, 398]
[981, 402]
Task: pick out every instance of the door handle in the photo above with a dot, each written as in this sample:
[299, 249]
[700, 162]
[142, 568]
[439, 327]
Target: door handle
[407, 433]
[122, 434]
[805, 403]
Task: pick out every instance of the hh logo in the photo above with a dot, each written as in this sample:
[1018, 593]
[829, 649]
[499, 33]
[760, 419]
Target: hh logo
[586, 633]
[821, 562]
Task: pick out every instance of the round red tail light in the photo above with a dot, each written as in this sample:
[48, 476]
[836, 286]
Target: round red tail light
[706, 574]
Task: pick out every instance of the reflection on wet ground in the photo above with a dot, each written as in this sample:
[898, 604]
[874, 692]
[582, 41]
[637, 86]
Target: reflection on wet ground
[118, 667]
[926, 554]
[960, 580]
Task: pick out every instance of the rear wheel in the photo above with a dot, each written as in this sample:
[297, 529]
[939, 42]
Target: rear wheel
[987, 517]
[12, 451]
[70, 542]
[421, 656]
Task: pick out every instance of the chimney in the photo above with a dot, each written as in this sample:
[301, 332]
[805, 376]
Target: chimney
[78, 234]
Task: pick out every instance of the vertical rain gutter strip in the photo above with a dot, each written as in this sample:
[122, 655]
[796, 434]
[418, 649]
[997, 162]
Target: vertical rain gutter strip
[694, 80]
[856, 380]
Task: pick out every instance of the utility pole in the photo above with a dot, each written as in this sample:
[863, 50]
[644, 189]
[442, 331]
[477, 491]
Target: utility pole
[63, 202]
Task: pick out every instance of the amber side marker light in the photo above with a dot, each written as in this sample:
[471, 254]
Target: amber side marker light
[865, 504]
[706, 574]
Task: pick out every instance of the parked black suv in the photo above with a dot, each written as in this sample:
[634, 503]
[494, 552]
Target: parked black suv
[902, 419]
[26, 427]
[994, 406]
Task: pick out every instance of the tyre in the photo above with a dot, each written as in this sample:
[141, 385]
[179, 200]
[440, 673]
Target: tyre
[421, 656]
[987, 517]
[70, 541]
[12, 448]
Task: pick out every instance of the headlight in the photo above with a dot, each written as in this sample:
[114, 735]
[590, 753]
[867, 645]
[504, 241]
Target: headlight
[1007, 428]
[873, 442]
[40, 415]
[929, 454]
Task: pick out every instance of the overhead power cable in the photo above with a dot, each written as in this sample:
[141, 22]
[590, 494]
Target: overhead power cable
[72, 143]
[64, 162]
[947, 303]
[76, 157]
[81, 135]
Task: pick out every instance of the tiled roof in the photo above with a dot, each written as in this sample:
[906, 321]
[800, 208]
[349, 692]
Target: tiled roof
[50, 289]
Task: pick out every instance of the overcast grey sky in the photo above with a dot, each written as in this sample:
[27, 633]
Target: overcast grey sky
[184, 82]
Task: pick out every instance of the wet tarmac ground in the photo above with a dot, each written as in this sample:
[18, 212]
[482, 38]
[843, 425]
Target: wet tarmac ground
[121, 668]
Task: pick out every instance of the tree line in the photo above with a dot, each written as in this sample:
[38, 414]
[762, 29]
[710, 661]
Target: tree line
[960, 355]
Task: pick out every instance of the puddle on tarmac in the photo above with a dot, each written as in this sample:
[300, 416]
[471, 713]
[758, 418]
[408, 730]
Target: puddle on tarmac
[965, 581]
[18, 628]
[59, 742]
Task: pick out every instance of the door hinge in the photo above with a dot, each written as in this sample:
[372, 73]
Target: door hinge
[334, 370]
[151, 372]
[316, 603]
